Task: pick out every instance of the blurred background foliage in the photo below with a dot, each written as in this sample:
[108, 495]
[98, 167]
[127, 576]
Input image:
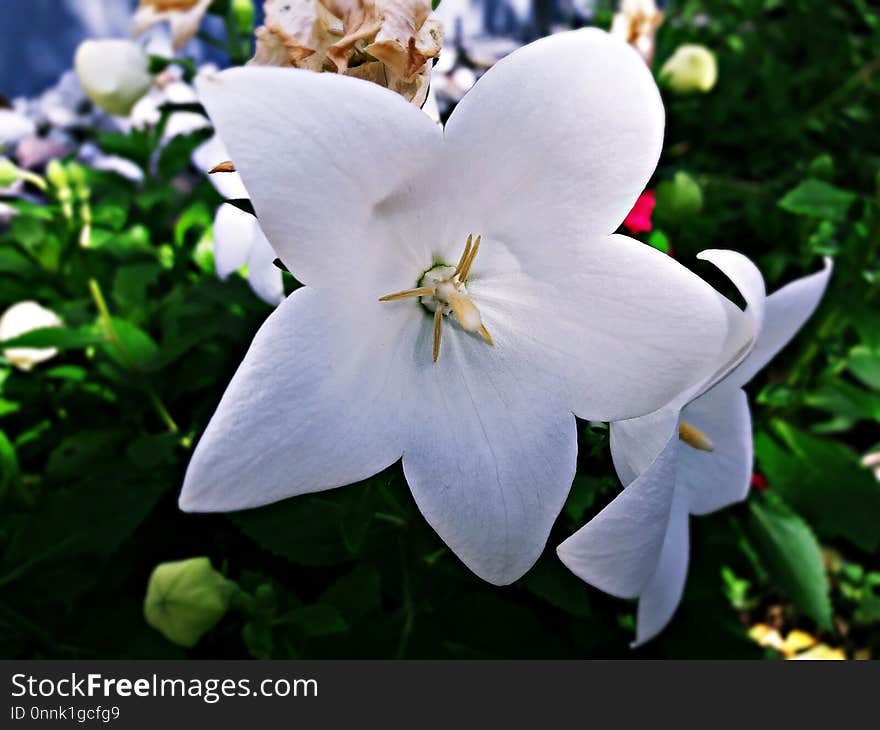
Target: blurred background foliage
[780, 161]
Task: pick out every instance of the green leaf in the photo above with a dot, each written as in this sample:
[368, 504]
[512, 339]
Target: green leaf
[62, 338]
[818, 199]
[792, 556]
[9, 471]
[317, 620]
[865, 365]
[305, 530]
[132, 347]
[355, 594]
[824, 481]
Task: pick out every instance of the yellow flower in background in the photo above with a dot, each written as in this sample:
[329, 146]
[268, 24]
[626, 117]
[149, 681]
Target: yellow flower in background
[183, 17]
[389, 42]
[636, 22]
[691, 69]
[796, 645]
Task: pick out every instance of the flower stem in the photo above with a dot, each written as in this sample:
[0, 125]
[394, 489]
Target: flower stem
[113, 336]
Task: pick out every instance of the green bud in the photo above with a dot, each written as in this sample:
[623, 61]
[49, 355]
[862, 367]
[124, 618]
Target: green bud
[57, 175]
[822, 168]
[186, 599]
[692, 68]
[244, 14]
[678, 199]
[9, 172]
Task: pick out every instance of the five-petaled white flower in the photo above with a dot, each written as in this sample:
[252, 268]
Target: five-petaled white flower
[693, 456]
[362, 195]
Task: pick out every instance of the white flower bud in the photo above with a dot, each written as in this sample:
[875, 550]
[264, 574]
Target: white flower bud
[26, 317]
[692, 68]
[114, 73]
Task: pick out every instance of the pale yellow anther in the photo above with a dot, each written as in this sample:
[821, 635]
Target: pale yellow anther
[422, 291]
[447, 294]
[694, 437]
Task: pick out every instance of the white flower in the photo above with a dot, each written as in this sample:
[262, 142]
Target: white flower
[693, 456]
[692, 68]
[872, 461]
[183, 16]
[115, 74]
[13, 127]
[19, 319]
[238, 238]
[361, 194]
[239, 241]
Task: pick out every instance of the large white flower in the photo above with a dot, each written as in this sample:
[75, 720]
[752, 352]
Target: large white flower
[693, 456]
[362, 195]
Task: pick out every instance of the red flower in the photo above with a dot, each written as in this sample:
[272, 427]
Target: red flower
[759, 482]
[639, 218]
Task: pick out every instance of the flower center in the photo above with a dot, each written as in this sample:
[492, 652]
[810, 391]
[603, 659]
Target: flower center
[694, 437]
[443, 291]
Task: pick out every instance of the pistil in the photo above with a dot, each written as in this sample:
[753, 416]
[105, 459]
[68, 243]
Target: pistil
[445, 292]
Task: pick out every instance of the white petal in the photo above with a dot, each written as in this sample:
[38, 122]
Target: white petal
[21, 318]
[787, 310]
[716, 479]
[743, 327]
[663, 592]
[617, 551]
[234, 232]
[264, 277]
[636, 442]
[322, 172]
[13, 127]
[557, 140]
[211, 153]
[623, 327]
[328, 418]
[491, 455]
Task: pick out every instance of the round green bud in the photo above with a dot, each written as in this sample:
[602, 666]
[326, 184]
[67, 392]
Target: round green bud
[114, 74]
[691, 69]
[185, 599]
[678, 199]
[57, 174]
[244, 14]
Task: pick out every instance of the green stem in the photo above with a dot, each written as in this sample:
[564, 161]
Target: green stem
[113, 336]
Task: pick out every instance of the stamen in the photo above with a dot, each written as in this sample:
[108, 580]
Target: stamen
[226, 166]
[438, 328]
[463, 276]
[694, 437]
[422, 291]
[464, 255]
[485, 335]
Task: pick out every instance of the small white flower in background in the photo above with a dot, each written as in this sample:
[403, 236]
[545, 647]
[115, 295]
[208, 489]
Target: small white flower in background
[511, 305]
[238, 238]
[691, 69]
[14, 127]
[94, 157]
[18, 320]
[239, 241]
[693, 456]
[389, 42]
[184, 17]
[114, 74]
[636, 22]
[872, 461]
[170, 88]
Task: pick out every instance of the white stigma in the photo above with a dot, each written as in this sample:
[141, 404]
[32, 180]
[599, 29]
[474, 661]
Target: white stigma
[443, 290]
